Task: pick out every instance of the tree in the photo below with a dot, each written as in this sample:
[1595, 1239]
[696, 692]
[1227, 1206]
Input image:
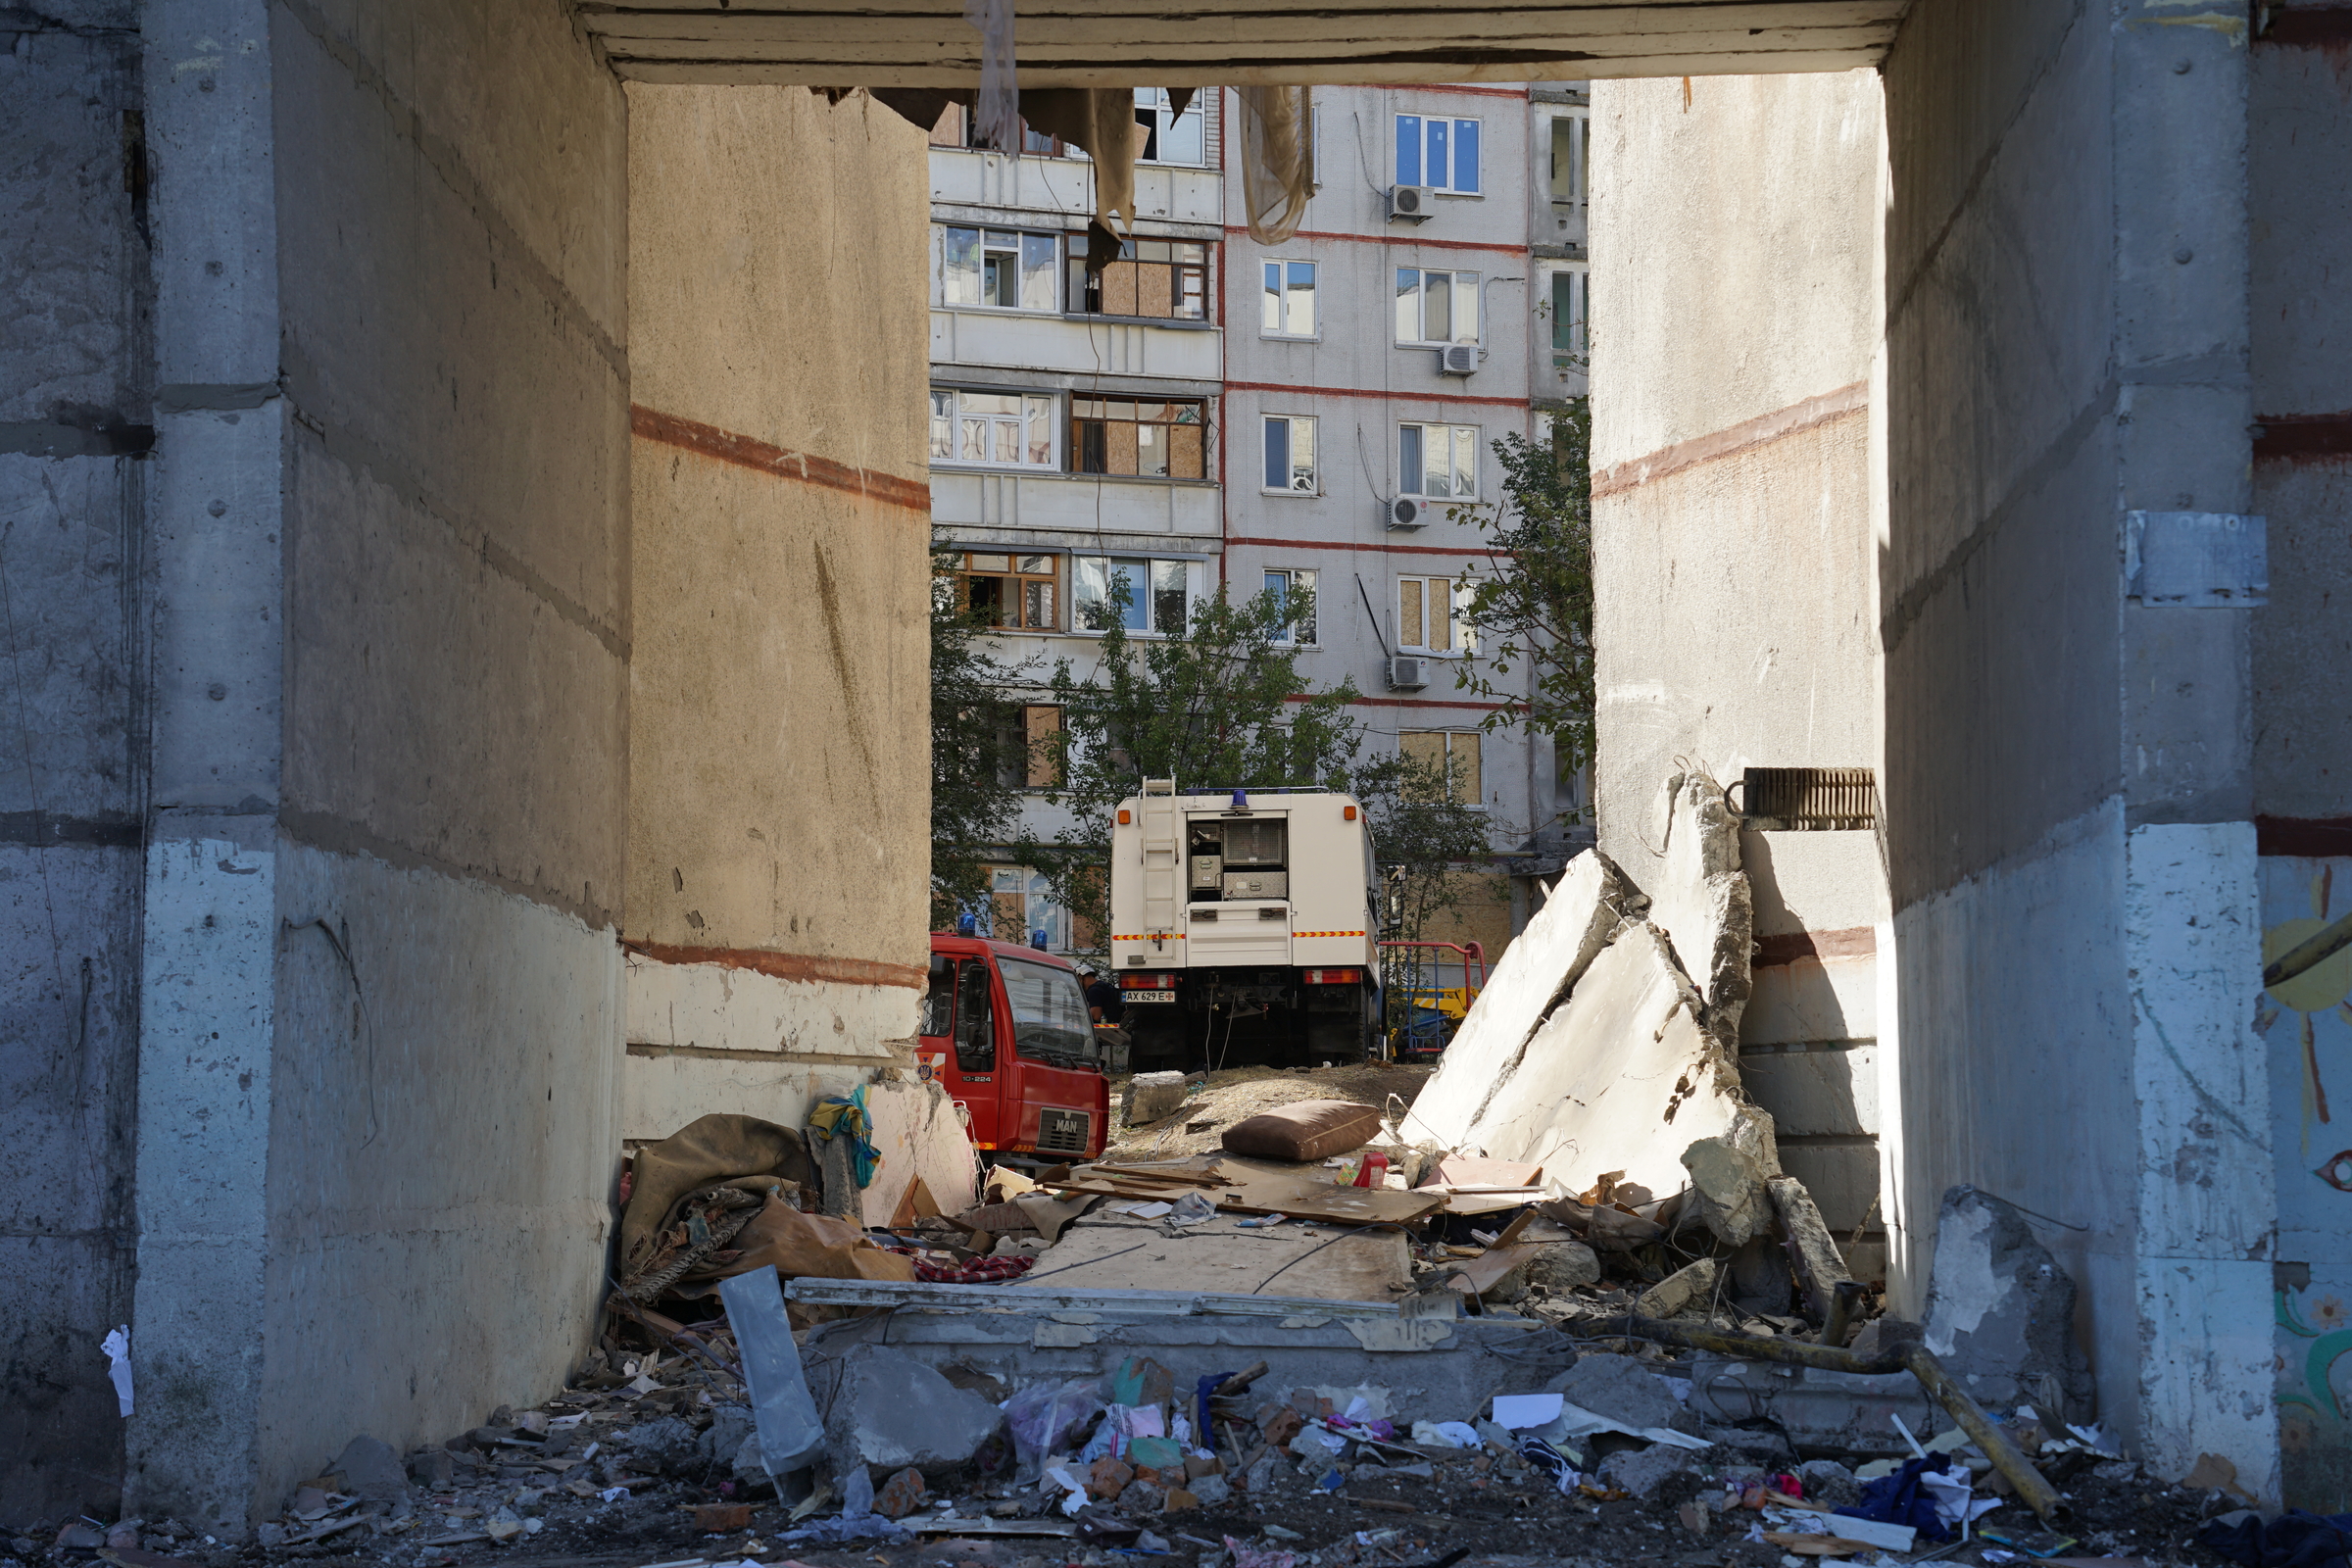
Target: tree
[1426, 839]
[1533, 605]
[979, 753]
[1218, 703]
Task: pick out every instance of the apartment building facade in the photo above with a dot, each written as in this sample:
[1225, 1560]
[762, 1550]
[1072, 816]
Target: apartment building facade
[1314, 415]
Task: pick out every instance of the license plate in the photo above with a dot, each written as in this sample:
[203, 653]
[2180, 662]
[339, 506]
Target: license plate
[1151, 996]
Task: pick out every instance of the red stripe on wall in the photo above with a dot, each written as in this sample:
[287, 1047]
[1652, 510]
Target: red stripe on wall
[748, 452]
[787, 965]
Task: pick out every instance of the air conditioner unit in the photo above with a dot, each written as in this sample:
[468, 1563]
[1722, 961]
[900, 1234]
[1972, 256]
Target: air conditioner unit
[1407, 674]
[1411, 203]
[1405, 511]
[1457, 359]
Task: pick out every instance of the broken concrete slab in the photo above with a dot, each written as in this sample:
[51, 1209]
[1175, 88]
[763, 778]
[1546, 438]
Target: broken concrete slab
[1642, 1471]
[1540, 968]
[1619, 1078]
[370, 1470]
[1623, 1389]
[889, 1412]
[1153, 1097]
[1560, 1266]
[920, 1137]
[1701, 899]
[2000, 1310]
[1691, 1289]
[1821, 1412]
[1728, 1176]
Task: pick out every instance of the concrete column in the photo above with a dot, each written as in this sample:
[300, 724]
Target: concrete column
[210, 917]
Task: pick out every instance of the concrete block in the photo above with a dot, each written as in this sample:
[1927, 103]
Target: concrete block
[1830, 1092]
[1832, 1412]
[921, 1135]
[1843, 1176]
[2000, 1310]
[1701, 899]
[1152, 1096]
[1644, 1471]
[889, 1411]
[1562, 1265]
[722, 1440]
[1622, 1389]
[1686, 1290]
[371, 1470]
[1727, 1179]
[1808, 1000]
[666, 1447]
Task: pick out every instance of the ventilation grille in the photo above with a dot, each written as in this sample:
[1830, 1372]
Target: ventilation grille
[1062, 1132]
[1820, 798]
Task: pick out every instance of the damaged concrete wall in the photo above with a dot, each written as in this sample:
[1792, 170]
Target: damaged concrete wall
[1732, 490]
[2068, 782]
[779, 357]
[2300, 134]
[381, 998]
[75, 424]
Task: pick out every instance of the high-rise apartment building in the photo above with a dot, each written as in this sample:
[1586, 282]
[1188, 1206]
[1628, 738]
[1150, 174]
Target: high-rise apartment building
[1317, 415]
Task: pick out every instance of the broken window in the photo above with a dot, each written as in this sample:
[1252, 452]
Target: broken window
[1441, 154]
[1452, 755]
[1569, 134]
[1010, 590]
[1290, 454]
[1287, 300]
[1168, 137]
[1159, 593]
[1157, 280]
[1436, 306]
[1003, 429]
[1436, 460]
[1295, 592]
[1425, 614]
[1148, 438]
[999, 269]
[1566, 306]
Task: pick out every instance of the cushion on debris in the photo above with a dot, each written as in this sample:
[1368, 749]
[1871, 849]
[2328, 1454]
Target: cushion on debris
[1307, 1129]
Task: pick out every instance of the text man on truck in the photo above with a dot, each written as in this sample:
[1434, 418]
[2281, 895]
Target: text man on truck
[1245, 926]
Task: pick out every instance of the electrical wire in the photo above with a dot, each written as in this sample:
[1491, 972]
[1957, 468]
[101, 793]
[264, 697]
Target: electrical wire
[1376, 1225]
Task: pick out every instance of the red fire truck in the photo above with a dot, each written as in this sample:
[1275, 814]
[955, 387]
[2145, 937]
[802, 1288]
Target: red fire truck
[1006, 1031]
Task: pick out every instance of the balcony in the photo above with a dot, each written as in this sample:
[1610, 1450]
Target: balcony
[1078, 502]
[1099, 345]
[1066, 186]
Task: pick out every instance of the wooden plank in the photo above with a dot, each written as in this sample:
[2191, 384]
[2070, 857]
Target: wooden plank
[1666, 12]
[1481, 1273]
[722, 72]
[1029, 1301]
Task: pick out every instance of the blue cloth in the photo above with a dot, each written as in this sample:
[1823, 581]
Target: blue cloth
[836, 1117]
[1900, 1499]
[2293, 1539]
[1200, 1421]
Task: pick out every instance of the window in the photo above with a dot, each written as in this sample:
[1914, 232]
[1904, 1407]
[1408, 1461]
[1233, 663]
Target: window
[1569, 134]
[1569, 306]
[999, 428]
[1290, 454]
[975, 1024]
[1049, 1011]
[1158, 280]
[1289, 300]
[1169, 138]
[1022, 909]
[1436, 460]
[1040, 728]
[1010, 590]
[998, 268]
[1162, 440]
[1454, 753]
[1436, 306]
[1294, 590]
[1425, 614]
[1159, 593]
[1441, 154]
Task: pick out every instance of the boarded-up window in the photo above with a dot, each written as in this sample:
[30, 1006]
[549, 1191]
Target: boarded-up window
[1452, 755]
[1150, 439]
[1157, 280]
[1041, 727]
[1425, 614]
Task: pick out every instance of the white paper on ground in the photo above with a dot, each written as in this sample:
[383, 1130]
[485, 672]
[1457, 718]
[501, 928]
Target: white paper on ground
[1515, 1410]
[1151, 1210]
[1869, 1532]
[1576, 1421]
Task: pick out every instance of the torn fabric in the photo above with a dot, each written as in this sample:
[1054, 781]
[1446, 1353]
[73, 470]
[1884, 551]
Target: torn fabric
[997, 115]
[1277, 171]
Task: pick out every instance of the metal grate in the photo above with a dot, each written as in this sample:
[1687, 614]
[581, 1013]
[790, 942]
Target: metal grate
[1062, 1132]
[1821, 797]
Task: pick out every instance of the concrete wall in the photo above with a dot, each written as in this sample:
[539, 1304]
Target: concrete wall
[2300, 153]
[780, 765]
[381, 1003]
[1735, 248]
[2068, 779]
[75, 424]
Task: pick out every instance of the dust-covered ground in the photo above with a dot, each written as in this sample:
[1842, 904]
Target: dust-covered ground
[1240, 1093]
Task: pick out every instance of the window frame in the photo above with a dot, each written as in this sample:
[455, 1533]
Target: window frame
[1421, 582]
[1196, 592]
[1580, 321]
[1052, 271]
[1314, 470]
[1077, 442]
[1452, 139]
[1452, 740]
[1087, 291]
[1281, 299]
[1164, 122]
[1453, 435]
[1055, 418]
[1454, 291]
[1295, 576]
[1021, 580]
[1580, 150]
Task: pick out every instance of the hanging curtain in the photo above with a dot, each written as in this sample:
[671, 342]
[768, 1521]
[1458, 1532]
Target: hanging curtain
[1278, 166]
[997, 115]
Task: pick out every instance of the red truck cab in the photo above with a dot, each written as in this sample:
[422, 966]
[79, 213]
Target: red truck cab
[1006, 1031]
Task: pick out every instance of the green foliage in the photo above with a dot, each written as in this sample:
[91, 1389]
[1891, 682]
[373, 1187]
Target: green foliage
[1219, 704]
[1533, 606]
[1425, 839]
[978, 752]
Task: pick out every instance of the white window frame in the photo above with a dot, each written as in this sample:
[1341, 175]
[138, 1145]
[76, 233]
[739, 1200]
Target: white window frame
[1477, 741]
[1052, 269]
[1580, 155]
[1458, 294]
[1035, 406]
[1454, 441]
[1453, 125]
[1084, 570]
[1154, 100]
[1580, 305]
[1303, 577]
[1277, 283]
[1292, 424]
[1421, 588]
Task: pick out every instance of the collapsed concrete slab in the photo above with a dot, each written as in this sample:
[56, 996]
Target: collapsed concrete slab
[1621, 1077]
[891, 1411]
[1543, 964]
[2000, 1310]
[1702, 902]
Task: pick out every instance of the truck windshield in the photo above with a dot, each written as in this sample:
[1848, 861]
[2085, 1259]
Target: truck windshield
[1049, 1010]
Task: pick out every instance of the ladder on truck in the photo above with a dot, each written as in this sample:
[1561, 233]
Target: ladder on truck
[1162, 865]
